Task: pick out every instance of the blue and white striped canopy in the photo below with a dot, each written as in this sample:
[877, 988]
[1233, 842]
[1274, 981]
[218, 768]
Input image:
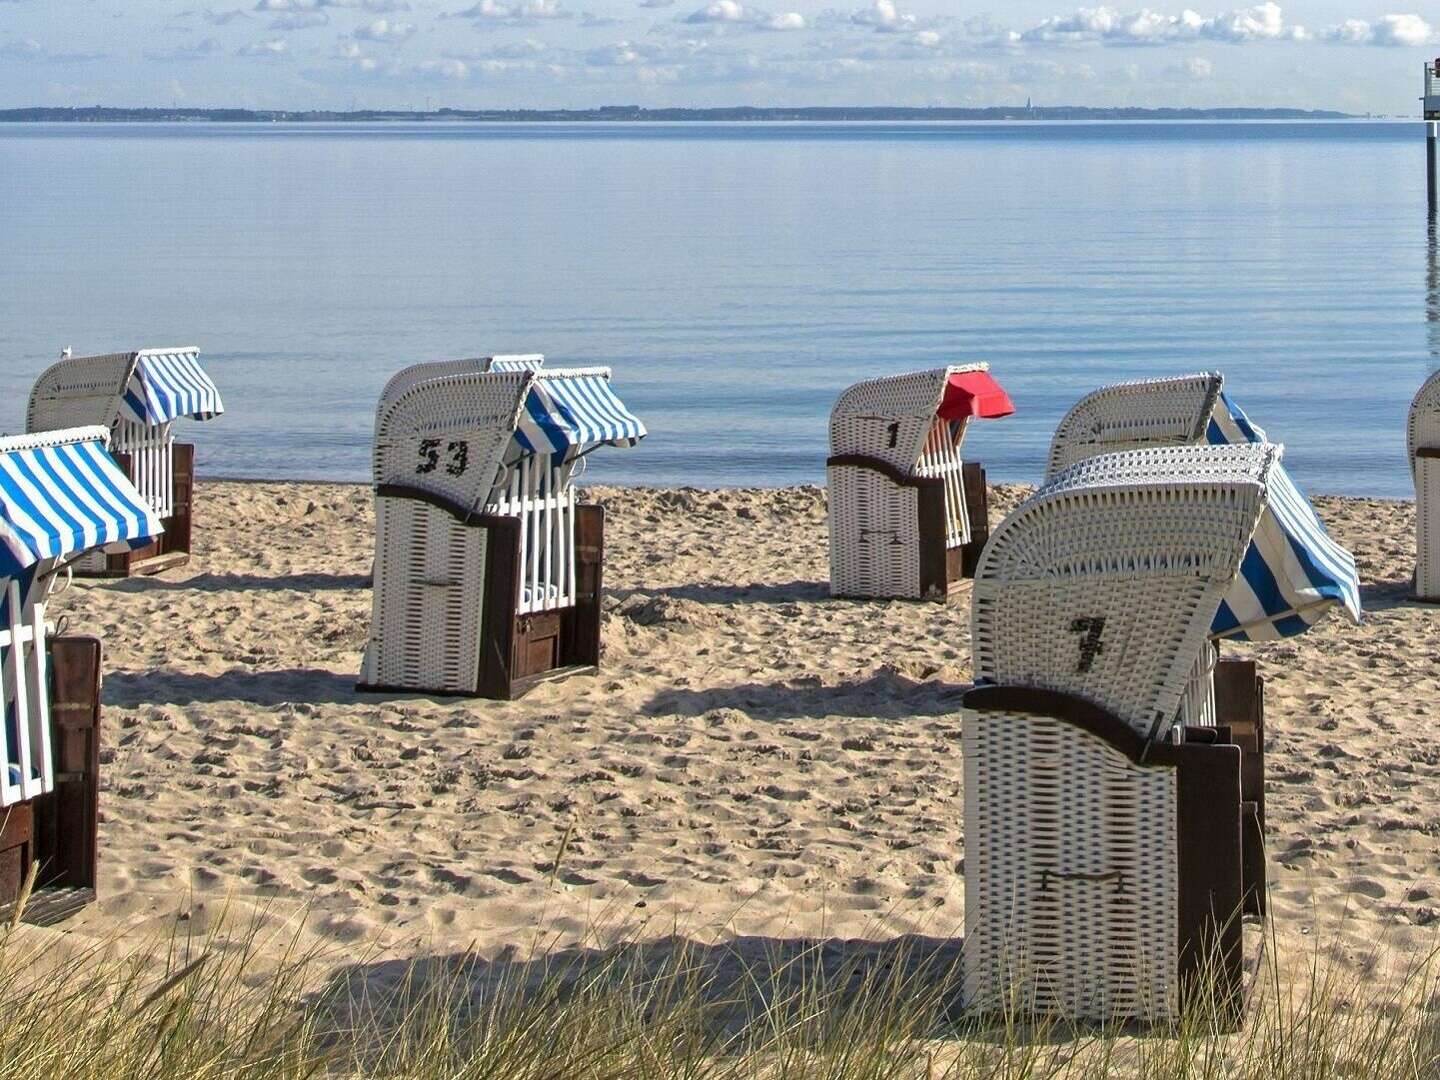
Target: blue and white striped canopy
[64, 499]
[167, 385]
[1294, 572]
[531, 362]
[574, 410]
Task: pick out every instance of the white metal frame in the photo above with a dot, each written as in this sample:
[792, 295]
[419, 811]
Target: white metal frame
[24, 687]
[538, 490]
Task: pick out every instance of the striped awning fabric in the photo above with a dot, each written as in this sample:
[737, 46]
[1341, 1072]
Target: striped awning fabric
[66, 497]
[528, 362]
[1294, 572]
[575, 410]
[169, 384]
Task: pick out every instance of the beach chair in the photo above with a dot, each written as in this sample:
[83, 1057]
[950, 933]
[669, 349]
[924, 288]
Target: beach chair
[1423, 444]
[137, 397]
[1293, 574]
[1103, 832]
[405, 378]
[1136, 415]
[61, 494]
[908, 518]
[487, 568]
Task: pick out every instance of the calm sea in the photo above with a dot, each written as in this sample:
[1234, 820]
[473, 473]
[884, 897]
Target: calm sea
[735, 276]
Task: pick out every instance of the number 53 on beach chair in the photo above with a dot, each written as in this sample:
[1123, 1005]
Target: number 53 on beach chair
[487, 569]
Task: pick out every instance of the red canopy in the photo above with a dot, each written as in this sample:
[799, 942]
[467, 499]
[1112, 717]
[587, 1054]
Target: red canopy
[974, 393]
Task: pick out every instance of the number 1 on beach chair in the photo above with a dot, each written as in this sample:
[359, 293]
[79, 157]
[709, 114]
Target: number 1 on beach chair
[907, 517]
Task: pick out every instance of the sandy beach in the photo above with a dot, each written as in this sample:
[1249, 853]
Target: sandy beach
[755, 761]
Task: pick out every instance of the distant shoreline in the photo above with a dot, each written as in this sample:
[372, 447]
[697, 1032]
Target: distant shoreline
[634, 113]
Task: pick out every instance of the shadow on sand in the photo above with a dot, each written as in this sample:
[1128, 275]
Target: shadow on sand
[129, 690]
[1389, 595]
[242, 583]
[738, 985]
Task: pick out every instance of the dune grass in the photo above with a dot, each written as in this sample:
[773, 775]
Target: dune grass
[236, 1003]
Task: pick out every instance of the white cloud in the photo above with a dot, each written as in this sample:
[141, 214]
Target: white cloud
[374, 7]
[731, 12]
[883, 16]
[656, 3]
[1194, 68]
[448, 68]
[386, 30]
[1405, 31]
[521, 11]
[272, 48]
[1110, 26]
[31, 50]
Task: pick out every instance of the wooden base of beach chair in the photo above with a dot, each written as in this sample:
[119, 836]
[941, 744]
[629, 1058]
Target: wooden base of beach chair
[1086, 911]
[520, 650]
[909, 527]
[172, 548]
[57, 832]
[1240, 714]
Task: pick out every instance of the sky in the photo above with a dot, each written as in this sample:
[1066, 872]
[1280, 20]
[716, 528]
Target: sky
[1351, 55]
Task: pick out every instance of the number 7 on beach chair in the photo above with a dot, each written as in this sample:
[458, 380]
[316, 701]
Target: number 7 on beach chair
[487, 569]
[1103, 824]
[1291, 575]
[61, 494]
[907, 516]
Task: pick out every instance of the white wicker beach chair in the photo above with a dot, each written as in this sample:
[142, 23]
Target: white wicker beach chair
[487, 569]
[1134, 416]
[405, 378]
[1423, 445]
[137, 397]
[907, 517]
[1103, 833]
[61, 494]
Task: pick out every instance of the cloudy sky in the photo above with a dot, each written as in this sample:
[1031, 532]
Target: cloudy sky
[1346, 54]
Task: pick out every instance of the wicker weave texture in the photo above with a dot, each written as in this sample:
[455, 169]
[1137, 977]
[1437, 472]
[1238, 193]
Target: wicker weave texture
[1423, 432]
[427, 599]
[1135, 415]
[419, 433]
[1104, 583]
[79, 390]
[874, 534]
[1427, 528]
[874, 541]
[1071, 876]
[417, 373]
[889, 418]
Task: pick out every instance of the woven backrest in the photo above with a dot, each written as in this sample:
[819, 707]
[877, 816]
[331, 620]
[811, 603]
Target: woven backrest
[891, 418]
[405, 378]
[448, 435]
[1133, 415]
[1423, 429]
[80, 390]
[1104, 583]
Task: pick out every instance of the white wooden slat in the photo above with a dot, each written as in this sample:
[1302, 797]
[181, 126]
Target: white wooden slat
[15, 676]
[39, 691]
